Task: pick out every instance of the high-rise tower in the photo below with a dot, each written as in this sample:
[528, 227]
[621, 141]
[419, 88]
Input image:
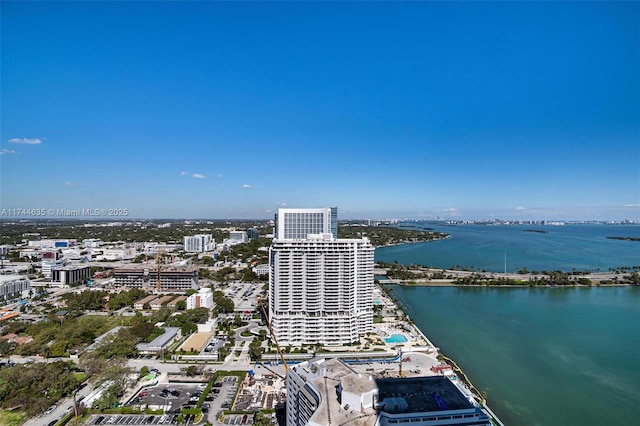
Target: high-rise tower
[320, 286]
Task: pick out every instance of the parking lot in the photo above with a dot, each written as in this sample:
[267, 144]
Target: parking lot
[170, 398]
[133, 419]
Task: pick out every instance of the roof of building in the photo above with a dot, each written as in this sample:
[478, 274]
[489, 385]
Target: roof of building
[176, 300]
[146, 299]
[98, 340]
[163, 299]
[7, 278]
[161, 341]
[328, 377]
[358, 383]
[9, 316]
[420, 395]
[153, 269]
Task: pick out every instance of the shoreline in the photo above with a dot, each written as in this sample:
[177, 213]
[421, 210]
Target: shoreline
[425, 276]
[414, 242]
[452, 284]
[478, 395]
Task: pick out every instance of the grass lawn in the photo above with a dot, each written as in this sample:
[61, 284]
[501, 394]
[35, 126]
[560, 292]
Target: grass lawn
[81, 377]
[11, 418]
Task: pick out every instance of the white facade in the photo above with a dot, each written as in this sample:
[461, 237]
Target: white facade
[313, 399]
[202, 299]
[14, 286]
[295, 224]
[116, 253]
[320, 290]
[70, 274]
[238, 237]
[91, 243]
[48, 265]
[199, 243]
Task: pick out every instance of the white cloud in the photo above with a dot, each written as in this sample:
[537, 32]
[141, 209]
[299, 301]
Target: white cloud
[246, 185]
[183, 173]
[632, 205]
[268, 211]
[520, 208]
[219, 175]
[197, 176]
[281, 204]
[69, 184]
[7, 151]
[450, 210]
[26, 141]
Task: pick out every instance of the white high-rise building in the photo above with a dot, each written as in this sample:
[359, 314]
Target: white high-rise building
[320, 287]
[199, 243]
[295, 224]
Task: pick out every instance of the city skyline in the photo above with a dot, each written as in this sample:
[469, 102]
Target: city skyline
[201, 110]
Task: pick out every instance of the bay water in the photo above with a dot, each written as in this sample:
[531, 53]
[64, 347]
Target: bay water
[535, 247]
[544, 356]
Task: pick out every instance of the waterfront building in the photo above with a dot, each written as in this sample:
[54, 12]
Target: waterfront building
[13, 286]
[202, 299]
[65, 275]
[172, 278]
[199, 243]
[314, 398]
[293, 224]
[426, 401]
[320, 287]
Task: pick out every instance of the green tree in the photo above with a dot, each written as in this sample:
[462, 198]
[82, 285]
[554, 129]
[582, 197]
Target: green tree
[256, 350]
[144, 371]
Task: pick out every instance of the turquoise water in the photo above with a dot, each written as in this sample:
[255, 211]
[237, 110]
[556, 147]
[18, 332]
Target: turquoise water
[545, 356]
[477, 247]
[396, 338]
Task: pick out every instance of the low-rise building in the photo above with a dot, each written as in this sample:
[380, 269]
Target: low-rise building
[158, 345]
[66, 275]
[173, 304]
[156, 304]
[261, 270]
[202, 299]
[101, 339]
[140, 303]
[172, 278]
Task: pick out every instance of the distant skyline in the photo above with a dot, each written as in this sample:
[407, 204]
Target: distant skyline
[196, 110]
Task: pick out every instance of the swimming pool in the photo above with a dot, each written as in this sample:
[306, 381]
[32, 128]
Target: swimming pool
[396, 338]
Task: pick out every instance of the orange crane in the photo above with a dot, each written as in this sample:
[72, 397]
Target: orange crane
[159, 256]
[268, 321]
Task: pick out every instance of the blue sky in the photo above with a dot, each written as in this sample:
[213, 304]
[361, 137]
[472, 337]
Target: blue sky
[230, 110]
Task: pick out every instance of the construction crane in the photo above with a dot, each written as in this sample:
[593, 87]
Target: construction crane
[159, 256]
[268, 321]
